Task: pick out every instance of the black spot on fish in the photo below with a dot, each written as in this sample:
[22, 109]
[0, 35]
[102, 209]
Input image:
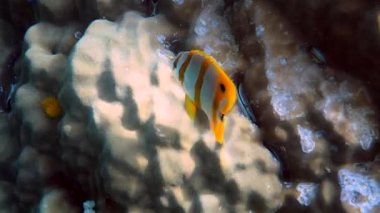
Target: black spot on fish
[221, 117]
[222, 87]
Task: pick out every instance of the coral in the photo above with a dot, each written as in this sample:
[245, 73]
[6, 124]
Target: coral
[35, 128]
[333, 26]
[8, 145]
[48, 47]
[360, 187]
[141, 142]
[40, 74]
[180, 12]
[317, 106]
[7, 197]
[35, 170]
[308, 192]
[56, 201]
[211, 33]
[243, 157]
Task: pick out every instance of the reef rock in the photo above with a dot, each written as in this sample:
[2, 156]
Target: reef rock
[211, 32]
[360, 187]
[34, 172]
[308, 103]
[33, 125]
[56, 201]
[8, 145]
[334, 25]
[123, 99]
[117, 79]
[242, 157]
[48, 47]
[7, 196]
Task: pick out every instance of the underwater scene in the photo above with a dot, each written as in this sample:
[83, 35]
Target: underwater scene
[200, 106]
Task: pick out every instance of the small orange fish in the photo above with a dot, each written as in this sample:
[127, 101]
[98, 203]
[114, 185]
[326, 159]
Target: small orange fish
[207, 87]
[51, 107]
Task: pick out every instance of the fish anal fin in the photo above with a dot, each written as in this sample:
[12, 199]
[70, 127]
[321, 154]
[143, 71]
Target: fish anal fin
[190, 107]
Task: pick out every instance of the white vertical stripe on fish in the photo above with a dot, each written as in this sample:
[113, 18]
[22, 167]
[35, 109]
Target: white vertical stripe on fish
[208, 90]
[181, 60]
[192, 74]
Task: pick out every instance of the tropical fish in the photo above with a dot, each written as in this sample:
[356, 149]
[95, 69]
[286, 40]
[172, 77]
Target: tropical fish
[51, 107]
[316, 55]
[244, 106]
[207, 88]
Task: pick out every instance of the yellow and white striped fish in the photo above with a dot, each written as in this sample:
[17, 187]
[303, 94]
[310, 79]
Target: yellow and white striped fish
[207, 87]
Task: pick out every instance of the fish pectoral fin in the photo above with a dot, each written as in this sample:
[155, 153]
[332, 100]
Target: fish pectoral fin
[190, 107]
[218, 128]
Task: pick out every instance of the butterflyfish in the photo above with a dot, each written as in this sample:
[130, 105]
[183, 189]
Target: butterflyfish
[51, 107]
[207, 88]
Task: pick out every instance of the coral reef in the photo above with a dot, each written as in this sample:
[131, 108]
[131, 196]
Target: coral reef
[145, 150]
[93, 118]
[333, 26]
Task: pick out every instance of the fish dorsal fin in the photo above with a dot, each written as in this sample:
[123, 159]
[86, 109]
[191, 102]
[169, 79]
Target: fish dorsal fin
[190, 107]
[208, 58]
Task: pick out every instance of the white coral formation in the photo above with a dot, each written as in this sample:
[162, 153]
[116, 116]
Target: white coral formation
[56, 201]
[41, 75]
[307, 193]
[48, 47]
[360, 187]
[348, 107]
[243, 158]
[142, 121]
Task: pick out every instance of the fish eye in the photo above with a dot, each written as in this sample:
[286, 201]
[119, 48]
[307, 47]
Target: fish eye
[221, 117]
[222, 87]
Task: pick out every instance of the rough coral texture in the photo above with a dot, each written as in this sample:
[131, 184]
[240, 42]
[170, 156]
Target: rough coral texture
[127, 88]
[360, 187]
[124, 142]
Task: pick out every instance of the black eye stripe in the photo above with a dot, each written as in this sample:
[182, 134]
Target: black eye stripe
[176, 61]
[222, 87]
